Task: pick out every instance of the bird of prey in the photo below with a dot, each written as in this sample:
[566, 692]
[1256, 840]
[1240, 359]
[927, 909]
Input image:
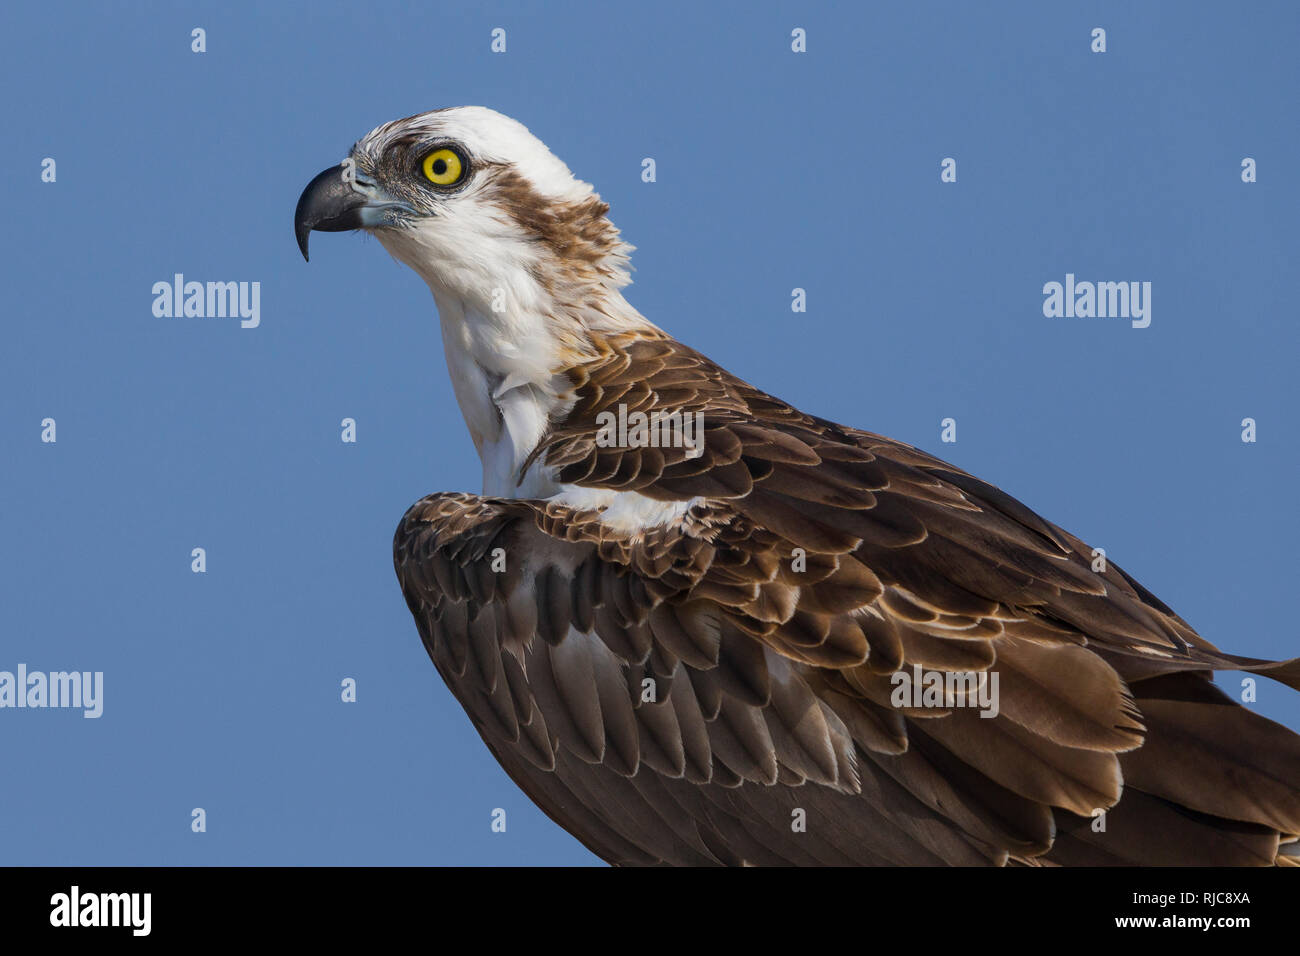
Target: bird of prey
[772, 639]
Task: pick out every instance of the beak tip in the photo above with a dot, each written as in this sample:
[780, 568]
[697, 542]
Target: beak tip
[328, 204]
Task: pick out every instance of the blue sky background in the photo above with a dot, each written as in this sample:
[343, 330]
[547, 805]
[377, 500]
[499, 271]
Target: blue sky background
[775, 171]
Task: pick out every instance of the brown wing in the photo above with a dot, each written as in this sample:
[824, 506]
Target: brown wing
[930, 531]
[737, 737]
[817, 564]
[706, 763]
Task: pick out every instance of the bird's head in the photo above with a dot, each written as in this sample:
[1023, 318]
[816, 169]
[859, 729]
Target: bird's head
[479, 207]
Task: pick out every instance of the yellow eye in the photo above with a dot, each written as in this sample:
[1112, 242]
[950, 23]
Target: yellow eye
[443, 167]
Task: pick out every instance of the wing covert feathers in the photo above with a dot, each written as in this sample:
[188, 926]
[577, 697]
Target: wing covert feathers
[756, 682]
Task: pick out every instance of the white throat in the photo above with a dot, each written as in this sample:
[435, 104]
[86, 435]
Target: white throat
[508, 338]
[500, 347]
[507, 395]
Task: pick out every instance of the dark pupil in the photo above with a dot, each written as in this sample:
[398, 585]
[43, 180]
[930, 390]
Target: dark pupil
[439, 167]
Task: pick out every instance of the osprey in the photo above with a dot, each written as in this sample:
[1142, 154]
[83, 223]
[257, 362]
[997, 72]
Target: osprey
[691, 651]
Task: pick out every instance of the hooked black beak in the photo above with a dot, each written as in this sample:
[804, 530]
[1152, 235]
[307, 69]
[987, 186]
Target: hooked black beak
[330, 203]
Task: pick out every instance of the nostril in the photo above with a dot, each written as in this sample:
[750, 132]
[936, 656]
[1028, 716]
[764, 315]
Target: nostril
[366, 187]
